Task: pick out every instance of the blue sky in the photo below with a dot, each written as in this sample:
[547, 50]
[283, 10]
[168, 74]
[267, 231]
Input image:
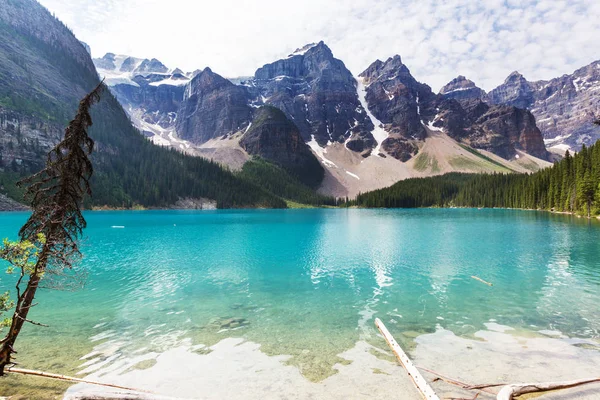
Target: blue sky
[484, 40]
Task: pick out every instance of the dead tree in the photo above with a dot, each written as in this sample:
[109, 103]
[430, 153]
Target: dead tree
[56, 194]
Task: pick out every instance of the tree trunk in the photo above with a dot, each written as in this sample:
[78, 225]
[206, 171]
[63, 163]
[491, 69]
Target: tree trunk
[589, 208]
[22, 309]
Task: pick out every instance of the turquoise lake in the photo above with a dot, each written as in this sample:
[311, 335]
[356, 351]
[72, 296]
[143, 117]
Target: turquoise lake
[309, 283]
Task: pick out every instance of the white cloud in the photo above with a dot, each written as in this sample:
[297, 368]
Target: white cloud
[484, 40]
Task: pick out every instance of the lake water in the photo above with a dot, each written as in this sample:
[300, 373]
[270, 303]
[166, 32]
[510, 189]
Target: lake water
[309, 283]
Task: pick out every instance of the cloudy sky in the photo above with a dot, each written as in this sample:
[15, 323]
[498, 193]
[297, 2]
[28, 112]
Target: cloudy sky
[484, 40]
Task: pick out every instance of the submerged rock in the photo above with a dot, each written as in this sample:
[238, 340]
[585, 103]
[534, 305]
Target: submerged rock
[221, 323]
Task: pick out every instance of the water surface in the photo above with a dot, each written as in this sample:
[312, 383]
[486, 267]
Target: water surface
[309, 283]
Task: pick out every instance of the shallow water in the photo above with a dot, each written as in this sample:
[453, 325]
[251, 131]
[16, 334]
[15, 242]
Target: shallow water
[309, 283]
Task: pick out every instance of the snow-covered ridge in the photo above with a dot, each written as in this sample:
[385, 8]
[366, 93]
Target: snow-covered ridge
[458, 90]
[121, 69]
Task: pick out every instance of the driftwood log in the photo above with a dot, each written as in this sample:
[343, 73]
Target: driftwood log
[510, 392]
[481, 280]
[420, 382]
[69, 379]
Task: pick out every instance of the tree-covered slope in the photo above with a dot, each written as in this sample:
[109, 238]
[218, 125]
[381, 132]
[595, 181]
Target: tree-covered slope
[276, 138]
[278, 181]
[44, 71]
[571, 185]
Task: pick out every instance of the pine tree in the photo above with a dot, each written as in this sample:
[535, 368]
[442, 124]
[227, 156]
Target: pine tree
[586, 189]
[48, 240]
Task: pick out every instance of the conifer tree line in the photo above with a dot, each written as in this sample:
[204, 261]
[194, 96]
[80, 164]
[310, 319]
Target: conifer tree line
[571, 185]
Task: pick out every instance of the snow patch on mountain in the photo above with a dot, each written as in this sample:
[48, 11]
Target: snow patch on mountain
[379, 134]
[173, 81]
[320, 152]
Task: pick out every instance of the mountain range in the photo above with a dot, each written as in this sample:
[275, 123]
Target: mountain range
[305, 113]
[370, 130]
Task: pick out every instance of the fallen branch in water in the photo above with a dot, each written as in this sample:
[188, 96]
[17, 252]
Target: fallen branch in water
[463, 385]
[510, 392]
[481, 280]
[70, 379]
[420, 382]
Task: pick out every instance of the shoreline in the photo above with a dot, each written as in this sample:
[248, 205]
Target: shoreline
[107, 209]
[237, 369]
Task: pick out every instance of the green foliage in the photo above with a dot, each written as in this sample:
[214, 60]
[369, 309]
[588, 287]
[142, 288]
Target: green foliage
[21, 257]
[5, 305]
[437, 191]
[571, 185]
[8, 185]
[279, 182]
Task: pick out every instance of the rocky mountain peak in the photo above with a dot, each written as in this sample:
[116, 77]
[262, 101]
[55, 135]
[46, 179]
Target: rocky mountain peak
[515, 76]
[390, 69]
[308, 61]
[515, 91]
[129, 64]
[273, 136]
[318, 93]
[212, 107]
[106, 62]
[399, 101]
[207, 80]
[395, 61]
[152, 65]
[461, 88]
[313, 47]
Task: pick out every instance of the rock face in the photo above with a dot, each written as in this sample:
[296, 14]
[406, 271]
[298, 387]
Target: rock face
[396, 98]
[564, 107]
[409, 110]
[461, 88]
[275, 137]
[44, 71]
[150, 93]
[318, 93]
[194, 204]
[515, 91]
[25, 141]
[505, 129]
[150, 105]
[399, 148]
[212, 107]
